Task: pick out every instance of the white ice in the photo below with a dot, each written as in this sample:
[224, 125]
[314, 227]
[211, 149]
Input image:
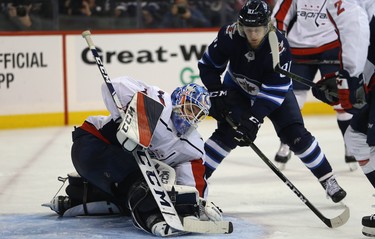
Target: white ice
[258, 203]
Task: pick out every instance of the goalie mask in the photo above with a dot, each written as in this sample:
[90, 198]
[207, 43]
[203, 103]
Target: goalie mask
[191, 104]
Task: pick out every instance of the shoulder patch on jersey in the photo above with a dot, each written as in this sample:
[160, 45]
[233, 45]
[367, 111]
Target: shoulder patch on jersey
[231, 30]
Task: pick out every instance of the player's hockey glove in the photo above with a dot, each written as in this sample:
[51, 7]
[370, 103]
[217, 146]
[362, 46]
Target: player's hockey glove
[219, 109]
[326, 89]
[247, 130]
[351, 91]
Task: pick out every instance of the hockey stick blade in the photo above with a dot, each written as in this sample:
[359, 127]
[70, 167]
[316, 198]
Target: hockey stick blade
[332, 223]
[192, 224]
[339, 220]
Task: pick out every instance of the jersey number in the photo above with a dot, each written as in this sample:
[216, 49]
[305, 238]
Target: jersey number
[338, 6]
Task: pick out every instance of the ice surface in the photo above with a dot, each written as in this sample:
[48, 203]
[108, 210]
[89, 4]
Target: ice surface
[258, 203]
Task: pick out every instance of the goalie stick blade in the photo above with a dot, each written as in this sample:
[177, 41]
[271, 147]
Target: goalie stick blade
[339, 220]
[208, 227]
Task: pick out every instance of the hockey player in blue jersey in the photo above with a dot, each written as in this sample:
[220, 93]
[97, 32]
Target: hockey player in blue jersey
[251, 90]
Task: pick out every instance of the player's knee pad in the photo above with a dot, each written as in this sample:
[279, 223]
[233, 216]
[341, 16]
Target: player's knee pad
[296, 137]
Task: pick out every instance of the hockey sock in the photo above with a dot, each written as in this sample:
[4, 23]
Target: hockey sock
[343, 125]
[371, 177]
[215, 154]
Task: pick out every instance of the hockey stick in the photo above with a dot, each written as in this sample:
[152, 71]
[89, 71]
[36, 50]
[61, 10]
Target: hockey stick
[317, 62]
[274, 44]
[143, 159]
[332, 223]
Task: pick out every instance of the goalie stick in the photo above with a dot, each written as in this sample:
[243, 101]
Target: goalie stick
[140, 154]
[274, 44]
[332, 223]
[150, 173]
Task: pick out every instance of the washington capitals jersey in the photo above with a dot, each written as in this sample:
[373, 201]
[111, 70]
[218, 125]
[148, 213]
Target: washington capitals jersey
[308, 27]
[352, 19]
[182, 152]
[248, 70]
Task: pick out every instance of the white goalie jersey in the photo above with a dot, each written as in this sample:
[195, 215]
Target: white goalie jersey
[183, 152]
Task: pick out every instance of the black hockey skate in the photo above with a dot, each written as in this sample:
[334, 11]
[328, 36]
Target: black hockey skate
[368, 223]
[59, 204]
[282, 156]
[333, 190]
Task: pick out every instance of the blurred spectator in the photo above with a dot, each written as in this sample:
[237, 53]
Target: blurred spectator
[120, 9]
[183, 15]
[18, 16]
[90, 7]
[150, 16]
[220, 12]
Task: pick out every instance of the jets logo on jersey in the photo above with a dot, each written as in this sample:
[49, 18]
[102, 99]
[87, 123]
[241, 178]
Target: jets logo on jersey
[250, 56]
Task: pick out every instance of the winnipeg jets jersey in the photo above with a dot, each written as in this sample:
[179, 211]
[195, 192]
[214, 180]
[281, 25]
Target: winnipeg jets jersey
[180, 152]
[307, 25]
[352, 19]
[248, 70]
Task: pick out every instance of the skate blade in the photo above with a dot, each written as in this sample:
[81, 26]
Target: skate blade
[47, 205]
[368, 231]
[353, 166]
[281, 166]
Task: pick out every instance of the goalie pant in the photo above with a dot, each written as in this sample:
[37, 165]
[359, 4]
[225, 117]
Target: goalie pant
[84, 199]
